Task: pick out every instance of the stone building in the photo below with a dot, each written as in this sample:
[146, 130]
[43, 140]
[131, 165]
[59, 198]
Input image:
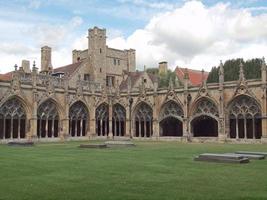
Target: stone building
[76, 101]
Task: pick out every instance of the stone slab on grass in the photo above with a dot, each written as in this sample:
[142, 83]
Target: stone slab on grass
[120, 143]
[222, 158]
[251, 153]
[93, 146]
[21, 144]
[251, 156]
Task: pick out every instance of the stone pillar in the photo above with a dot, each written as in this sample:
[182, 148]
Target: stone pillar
[128, 124]
[110, 113]
[263, 102]
[155, 127]
[32, 134]
[92, 123]
[33, 123]
[221, 123]
[187, 100]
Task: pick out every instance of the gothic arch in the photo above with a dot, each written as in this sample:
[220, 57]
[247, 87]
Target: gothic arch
[118, 120]
[48, 119]
[59, 107]
[143, 120]
[13, 118]
[204, 118]
[102, 119]
[22, 100]
[78, 119]
[244, 118]
[171, 119]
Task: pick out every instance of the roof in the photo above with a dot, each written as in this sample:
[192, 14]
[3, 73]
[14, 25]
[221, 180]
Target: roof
[195, 76]
[6, 77]
[134, 77]
[68, 69]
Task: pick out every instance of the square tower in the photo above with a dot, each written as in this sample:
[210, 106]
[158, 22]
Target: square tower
[97, 53]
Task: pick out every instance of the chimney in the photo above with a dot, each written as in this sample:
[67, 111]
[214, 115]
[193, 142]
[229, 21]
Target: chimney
[46, 64]
[163, 66]
[25, 64]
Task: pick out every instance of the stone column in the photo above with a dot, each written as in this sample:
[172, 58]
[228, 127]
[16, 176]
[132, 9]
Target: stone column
[110, 113]
[263, 102]
[128, 124]
[155, 126]
[64, 127]
[33, 122]
[221, 123]
[92, 123]
[4, 128]
[19, 128]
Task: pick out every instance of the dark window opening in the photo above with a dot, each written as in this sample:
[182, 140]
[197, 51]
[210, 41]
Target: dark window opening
[86, 77]
[110, 81]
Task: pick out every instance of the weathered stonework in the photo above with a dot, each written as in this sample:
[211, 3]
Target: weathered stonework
[41, 106]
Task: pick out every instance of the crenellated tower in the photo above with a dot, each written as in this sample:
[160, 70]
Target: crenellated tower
[97, 53]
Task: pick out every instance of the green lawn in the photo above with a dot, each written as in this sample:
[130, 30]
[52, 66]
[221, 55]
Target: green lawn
[152, 170]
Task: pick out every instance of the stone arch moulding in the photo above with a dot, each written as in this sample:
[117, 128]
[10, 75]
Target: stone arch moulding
[102, 119]
[173, 108]
[13, 119]
[194, 108]
[78, 119]
[118, 120]
[204, 118]
[59, 107]
[171, 119]
[244, 118]
[48, 119]
[142, 120]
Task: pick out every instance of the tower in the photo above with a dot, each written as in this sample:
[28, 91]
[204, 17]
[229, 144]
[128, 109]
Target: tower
[97, 53]
[46, 64]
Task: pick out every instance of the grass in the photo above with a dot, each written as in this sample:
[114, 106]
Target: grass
[152, 170]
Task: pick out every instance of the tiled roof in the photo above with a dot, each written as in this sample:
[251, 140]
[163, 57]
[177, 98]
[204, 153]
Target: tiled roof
[134, 76]
[6, 77]
[68, 69]
[195, 76]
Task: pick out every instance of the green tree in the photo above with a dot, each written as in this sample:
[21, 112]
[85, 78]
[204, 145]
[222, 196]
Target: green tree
[252, 70]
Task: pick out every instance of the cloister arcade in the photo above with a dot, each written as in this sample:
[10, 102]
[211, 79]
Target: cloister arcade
[78, 119]
[245, 118]
[102, 120]
[143, 120]
[204, 122]
[171, 119]
[12, 120]
[47, 120]
[118, 120]
[242, 113]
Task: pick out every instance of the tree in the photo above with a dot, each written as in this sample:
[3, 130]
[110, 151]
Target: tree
[252, 70]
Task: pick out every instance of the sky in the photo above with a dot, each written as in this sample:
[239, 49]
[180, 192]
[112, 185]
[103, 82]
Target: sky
[195, 34]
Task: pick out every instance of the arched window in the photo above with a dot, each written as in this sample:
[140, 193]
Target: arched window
[245, 118]
[78, 118]
[170, 119]
[143, 116]
[102, 120]
[48, 120]
[205, 119]
[118, 120]
[12, 120]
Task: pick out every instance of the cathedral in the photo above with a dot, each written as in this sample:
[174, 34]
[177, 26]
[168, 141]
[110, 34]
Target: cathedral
[102, 95]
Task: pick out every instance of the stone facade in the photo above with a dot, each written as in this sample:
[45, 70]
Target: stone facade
[103, 62]
[42, 106]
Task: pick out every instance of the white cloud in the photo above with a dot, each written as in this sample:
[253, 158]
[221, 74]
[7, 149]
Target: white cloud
[34, 4]
[24, 41]
[198, 36]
